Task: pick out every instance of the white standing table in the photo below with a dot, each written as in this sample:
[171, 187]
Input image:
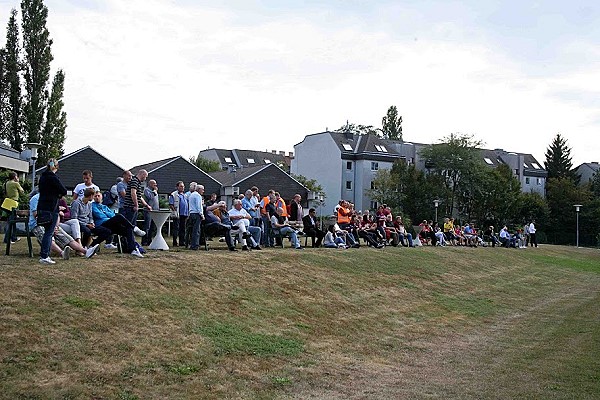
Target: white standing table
[159, 218]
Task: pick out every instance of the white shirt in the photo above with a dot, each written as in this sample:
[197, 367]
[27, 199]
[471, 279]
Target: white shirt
[236, 213]
[531, 228]
[80, 189]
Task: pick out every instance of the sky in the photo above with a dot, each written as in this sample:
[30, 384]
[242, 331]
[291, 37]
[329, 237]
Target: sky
[152, 79]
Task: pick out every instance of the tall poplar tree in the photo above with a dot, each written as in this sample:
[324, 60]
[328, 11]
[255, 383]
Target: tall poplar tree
[11, 87]
[392, 124]
[44, 120]
[558, 160]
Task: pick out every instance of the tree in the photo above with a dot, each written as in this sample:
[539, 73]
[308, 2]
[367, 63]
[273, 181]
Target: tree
[595, 185]
[561, 194]
[53, 135]
[311, 184]
[392, 124]
[358, 129]
[205, 164]
[453, 160]
[558, 160]
[12, 129]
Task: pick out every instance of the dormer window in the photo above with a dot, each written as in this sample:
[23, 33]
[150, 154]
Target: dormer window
[347, 147]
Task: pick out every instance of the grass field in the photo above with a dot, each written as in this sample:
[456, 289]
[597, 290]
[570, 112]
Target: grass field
[393, 323]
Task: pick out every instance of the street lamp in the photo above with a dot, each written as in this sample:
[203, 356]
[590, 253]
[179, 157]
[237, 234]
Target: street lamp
[577, 208]
[33, 148]
[436, 203]
[320, 199]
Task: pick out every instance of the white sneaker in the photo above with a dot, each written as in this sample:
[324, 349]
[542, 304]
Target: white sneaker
[66, 253]
[138, 231]
[91, 252]
[47, 260]
[137, 253]
[110, 246]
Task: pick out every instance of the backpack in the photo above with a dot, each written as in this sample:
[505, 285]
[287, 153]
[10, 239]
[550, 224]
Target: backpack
[108, 199]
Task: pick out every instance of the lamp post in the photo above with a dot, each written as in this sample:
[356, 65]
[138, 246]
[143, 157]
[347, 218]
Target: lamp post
[33, 148]
[577, 209]
[320, 198]
[436, 203]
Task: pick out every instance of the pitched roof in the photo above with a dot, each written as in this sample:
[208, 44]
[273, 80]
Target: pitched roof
[105, 172]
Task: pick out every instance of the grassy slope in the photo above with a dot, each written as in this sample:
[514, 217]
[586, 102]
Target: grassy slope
[429, 322]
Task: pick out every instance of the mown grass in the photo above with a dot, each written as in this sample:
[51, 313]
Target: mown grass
[280, 323]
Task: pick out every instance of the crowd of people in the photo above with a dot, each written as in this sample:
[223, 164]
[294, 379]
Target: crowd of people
[252, 220]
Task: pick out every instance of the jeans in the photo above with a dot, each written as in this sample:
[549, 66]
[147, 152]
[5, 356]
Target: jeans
[287, 231]
[47, 238]
[194, 221]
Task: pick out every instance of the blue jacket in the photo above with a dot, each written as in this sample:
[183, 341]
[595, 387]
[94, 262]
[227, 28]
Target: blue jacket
[101, 213]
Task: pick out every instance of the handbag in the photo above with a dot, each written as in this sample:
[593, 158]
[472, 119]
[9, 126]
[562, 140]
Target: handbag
[8, 204]
[43, 217]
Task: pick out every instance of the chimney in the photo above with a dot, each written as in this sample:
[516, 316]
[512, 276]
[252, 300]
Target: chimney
[274, 151]
[282, 153]
[291, 154]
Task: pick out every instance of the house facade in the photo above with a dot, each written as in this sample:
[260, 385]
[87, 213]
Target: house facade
[586, 172]
[346, 164]
[247, 158]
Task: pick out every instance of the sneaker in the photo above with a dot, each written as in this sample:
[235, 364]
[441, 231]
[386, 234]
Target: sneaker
[47, 261]
[91, 251]
[66, 253]
[137, 253]
[138, 231]
[299, 248]
[110, 246]
[257, 247]
[245, 248]
[15, 241]
[232, 249]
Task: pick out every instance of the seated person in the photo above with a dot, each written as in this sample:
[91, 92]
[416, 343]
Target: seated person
[470, 236]
[212, 225]
[311, 229]
[390, 230]
[240, 218]
[60, 237]
[520, 239]
[491, 235]
[71, 226]
[108, 223]
[449, 231]
[439, 235]
[369, 234]
[405, 238]
[280, 226]
[506, 239]
[332, 241]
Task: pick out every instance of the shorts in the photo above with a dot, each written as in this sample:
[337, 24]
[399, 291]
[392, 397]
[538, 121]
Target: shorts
[60, 237]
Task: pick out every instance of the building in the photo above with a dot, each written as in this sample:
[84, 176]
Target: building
[247, 158]
[352, 161]
[586, 172]
[11, 159]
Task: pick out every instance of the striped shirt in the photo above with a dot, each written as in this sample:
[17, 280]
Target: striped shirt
[137, 185]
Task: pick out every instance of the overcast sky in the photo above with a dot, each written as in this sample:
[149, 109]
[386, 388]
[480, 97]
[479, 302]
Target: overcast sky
[151, 79]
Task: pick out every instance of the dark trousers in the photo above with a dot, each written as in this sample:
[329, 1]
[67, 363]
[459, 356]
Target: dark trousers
[119, 225]
[100, 232]
[314, 233]
[179, 230]
[194, 221]
[532, 239]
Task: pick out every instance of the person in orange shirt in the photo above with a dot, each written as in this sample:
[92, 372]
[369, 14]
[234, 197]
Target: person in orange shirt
[280, 203]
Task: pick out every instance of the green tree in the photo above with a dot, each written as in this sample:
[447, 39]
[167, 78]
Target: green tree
[312, 184]
[392, 124]
[205, 164]
[359, 129]
[595, 185]
[12, 129]
[453, 160]
[562, 193]
[558, 160]
[532, 206]
[54, 133]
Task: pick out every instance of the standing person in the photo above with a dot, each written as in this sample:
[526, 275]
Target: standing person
[151, 198]
[114, 196]
[51, 189]
[213, 200]
[196, 216]
[296, 211]
[122, 189]
[532, 237]
[179, 212]
[86, 184]
[13, 189]
[133, 197]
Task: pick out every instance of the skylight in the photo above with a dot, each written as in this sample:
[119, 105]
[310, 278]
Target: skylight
[487, 160]
[267, 161]
[347, 146]
[525, 165]
[381, 148]
[227, 159]
[251, 161]
[535, 165]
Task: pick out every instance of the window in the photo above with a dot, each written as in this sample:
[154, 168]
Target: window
[228, 160]
[349, 165]
[535, 165]
[267, 161]
[487, 160]
[381, 148]
[348, 185]
[374, 205]
[372, 185]
[539, 181]
[250, 160]
[374, 166]
[527, 180]
[525, 165]
[347, 147]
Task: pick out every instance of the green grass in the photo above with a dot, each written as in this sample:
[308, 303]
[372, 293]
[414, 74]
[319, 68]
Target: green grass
[392, 323]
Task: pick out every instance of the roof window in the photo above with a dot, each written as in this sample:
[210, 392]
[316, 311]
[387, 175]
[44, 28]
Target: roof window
[347, 146]
[487, 160]
[227, 159]
[267, 161]
[381, 148]
[250, 160]
[535, 165]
